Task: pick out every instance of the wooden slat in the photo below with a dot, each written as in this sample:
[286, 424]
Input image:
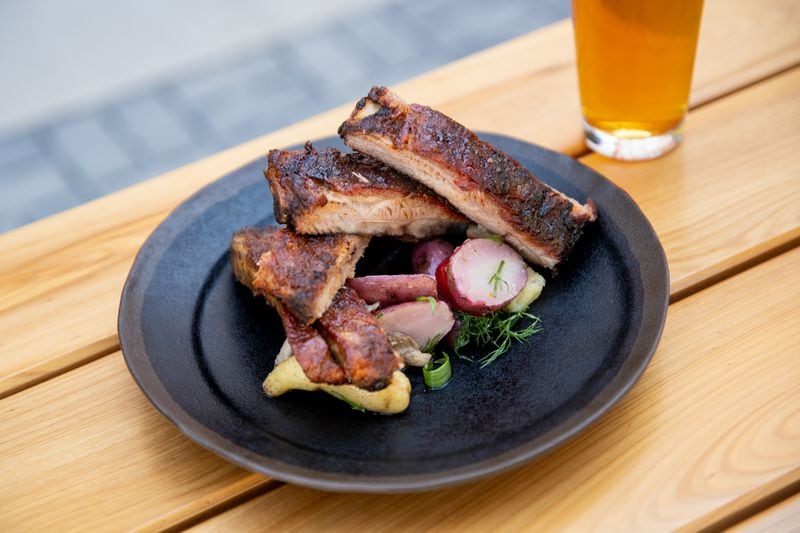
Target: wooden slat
[784, 517]
[731, 192]
[86, 450]
[716, 415]
[718, 72]
[60, 278]
[771, 102]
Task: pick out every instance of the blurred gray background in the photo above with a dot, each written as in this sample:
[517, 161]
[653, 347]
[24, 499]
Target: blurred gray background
[97, 95]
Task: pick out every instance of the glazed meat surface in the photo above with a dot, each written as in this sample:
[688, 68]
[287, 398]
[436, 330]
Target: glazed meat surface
[484, 183]
[347, 344]
[302, 272]
[358, 342]
[308, 346]
[330, 192]
[310, 349]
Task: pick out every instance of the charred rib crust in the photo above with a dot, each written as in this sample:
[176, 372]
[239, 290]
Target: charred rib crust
[301, 180]
[358, 342]
[347, 344]
[308, 346]
[310, 349]
[536, 210]
[303, 272]
[247, 246]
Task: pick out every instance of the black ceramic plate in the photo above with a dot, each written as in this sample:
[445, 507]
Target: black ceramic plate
[200, 345]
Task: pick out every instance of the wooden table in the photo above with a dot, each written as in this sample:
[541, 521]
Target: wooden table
[709, 437]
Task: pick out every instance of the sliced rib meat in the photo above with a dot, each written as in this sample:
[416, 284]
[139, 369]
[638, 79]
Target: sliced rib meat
[310, 349]
[346, 345]
[308, 346]
[331, 192]
[303, 272]
[358, 342]
[484, 183]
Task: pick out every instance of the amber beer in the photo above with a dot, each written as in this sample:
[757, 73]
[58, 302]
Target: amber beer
[635, 60]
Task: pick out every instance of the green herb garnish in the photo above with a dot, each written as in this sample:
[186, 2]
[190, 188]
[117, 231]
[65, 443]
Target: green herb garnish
[497, 330]
[496, 280]
[429, 299]
[431, 344]
[492, 237]
[436, 377]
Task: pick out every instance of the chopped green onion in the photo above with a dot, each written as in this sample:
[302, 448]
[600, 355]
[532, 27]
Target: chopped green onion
[492, 237]
[429, 299]
[436, 377]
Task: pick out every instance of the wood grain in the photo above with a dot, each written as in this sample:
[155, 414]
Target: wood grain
[724, 197]
[719, 72]
[747, 505]
[784, 517]
[60, 278]
[716, 415]
[86, 451]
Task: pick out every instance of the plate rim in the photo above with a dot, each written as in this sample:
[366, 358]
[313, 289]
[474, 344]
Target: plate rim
[140, 367]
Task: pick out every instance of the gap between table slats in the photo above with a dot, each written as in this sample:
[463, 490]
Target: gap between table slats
[782, 516]
[748, 506]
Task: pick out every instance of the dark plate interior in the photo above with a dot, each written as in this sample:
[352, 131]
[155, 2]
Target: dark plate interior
[200, 345]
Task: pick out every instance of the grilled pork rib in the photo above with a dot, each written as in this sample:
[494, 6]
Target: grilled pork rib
[303, 272]
[358, 342]
[352, 347]
[310, 349]
[331, 192]
[308, 346]
[485, 184]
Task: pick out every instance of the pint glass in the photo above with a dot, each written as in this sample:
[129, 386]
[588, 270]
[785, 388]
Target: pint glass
[635, 60]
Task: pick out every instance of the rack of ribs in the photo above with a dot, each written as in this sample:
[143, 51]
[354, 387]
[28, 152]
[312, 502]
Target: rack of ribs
[346, 344]
[331, 192]
[487, 185]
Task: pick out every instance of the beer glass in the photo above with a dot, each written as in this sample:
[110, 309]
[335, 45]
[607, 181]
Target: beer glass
[635, 60]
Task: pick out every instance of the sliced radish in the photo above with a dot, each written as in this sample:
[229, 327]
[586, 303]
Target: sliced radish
[427, 256]
[441, 281]
[484, 275]
[390, 290]
[422, 321]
